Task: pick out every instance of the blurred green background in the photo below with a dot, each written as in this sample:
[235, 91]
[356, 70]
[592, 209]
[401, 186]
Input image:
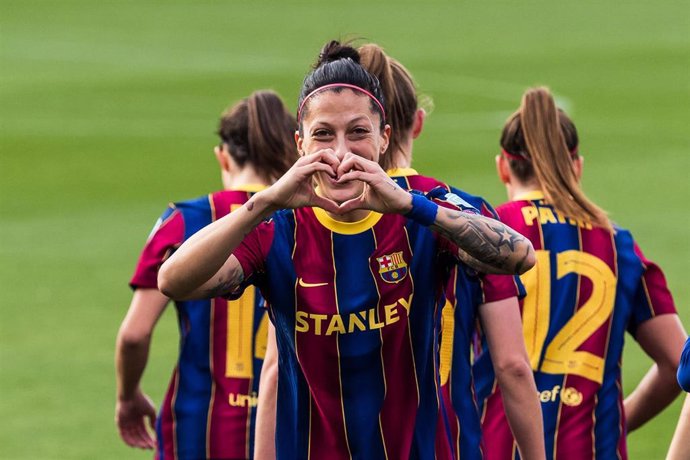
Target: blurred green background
[108, 111]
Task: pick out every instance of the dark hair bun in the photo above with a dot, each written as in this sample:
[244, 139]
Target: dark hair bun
[334, 51]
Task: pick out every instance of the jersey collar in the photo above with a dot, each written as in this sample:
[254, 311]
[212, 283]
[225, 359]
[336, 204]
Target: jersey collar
[402, 172]
[530, 196]
[251, 188]
[346, 228]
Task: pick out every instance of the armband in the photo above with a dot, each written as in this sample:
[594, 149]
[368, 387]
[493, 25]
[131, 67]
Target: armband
[423, 210]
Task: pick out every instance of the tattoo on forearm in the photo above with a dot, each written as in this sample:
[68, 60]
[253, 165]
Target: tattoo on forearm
[224, 287]
[490, 243]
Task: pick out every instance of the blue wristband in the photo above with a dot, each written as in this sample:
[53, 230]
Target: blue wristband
[423, 210]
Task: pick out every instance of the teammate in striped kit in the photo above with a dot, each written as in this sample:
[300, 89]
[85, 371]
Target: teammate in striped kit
[470, 297]
[352, 284]
[209, 408]
[591, 283]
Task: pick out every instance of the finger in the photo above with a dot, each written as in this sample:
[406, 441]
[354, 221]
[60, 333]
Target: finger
[130, 437]
[152, 423]
[328, 156]
[358, 162]
[142, 436]
[125, 436]
[353, 204]
[355, 175]
[350, 163]
[325, 204]
[312, 168]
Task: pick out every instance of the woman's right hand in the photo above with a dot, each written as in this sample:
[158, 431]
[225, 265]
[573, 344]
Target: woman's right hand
[296, 188]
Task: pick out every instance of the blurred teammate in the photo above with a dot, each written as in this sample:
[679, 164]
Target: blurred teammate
[406, 119]
[352, 284]
[590, 284]
[209, 409]
[469, 296]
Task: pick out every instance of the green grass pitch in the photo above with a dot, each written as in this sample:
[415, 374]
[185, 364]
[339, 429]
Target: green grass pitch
[108, 111]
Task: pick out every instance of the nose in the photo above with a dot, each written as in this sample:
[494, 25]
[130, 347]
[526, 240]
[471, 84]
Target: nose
[340, 147]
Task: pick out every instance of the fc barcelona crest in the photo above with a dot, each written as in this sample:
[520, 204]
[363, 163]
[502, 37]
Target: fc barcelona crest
[392, 267]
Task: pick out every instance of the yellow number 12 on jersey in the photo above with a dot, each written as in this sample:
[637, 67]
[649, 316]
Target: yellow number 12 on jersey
[562, 355]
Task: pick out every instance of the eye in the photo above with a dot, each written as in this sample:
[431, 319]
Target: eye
[360, 131]
[321, 133]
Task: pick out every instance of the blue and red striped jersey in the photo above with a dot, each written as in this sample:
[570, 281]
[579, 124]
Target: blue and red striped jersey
[209, 409]
[588, 287]
[459, 427]
[354, 307]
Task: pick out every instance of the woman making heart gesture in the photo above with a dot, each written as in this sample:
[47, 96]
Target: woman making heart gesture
[351, 266]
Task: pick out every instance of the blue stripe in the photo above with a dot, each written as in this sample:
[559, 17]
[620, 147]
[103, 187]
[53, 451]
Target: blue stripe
[195, 382]
[292, 415]
[426, 279]
[194, 388]
[468, 298]
[360, 352]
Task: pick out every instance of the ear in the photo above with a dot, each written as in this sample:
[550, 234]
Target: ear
[223, 158]
[503, 169]
[298, 142]
[418, 123]
[386, 135]
[577, 166]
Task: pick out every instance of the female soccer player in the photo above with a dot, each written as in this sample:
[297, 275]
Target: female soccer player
[591, 283]
[350, 272]
[470, 297]
[209, 409]
[487, 294]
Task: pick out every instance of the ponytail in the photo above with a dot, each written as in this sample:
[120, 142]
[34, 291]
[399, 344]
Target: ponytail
[400, 94]
[259, 132]
[543, 143]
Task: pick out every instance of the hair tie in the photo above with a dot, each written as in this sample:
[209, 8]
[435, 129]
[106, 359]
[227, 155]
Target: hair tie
[512, 156]
[340, 85]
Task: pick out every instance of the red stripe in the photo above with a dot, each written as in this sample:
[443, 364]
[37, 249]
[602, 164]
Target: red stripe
[575, 432]
[318, 353]
[227, 435]
[512, 215]
[167, 420]
[424, 183]
[498, 439]
[398, 412]
[658, 294]
[597, 242]
[168, 236]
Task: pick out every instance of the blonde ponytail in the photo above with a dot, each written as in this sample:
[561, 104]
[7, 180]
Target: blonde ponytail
[551, 159]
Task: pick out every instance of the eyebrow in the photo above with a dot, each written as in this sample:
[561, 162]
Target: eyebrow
[321, 123]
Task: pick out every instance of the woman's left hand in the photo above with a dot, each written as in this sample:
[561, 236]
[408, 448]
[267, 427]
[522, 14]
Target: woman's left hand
[381, 193]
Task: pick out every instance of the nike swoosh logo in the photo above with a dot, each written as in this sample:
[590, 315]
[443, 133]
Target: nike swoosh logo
[302, 283]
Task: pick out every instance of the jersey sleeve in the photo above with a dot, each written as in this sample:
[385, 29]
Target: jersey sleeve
[252, 254]
[500, 287]
[652, 297]
[166, 236]
[442, 197]
[684, 367]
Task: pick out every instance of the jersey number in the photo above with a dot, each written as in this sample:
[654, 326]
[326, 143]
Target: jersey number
[447, 333]
[562, 355]
[240, 348]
